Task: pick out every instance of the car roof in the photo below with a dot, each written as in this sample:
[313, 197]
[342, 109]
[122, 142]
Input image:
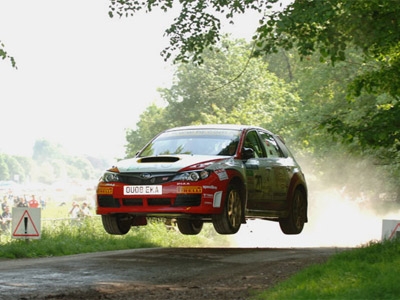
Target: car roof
[215, 126]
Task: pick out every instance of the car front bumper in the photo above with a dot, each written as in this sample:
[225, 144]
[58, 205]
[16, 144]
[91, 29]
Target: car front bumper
[172, 198]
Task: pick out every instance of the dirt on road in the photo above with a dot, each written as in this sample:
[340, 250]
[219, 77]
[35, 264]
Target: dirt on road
[161, 273]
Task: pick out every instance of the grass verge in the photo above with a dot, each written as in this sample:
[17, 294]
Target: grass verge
[368, 272]
[65, 238]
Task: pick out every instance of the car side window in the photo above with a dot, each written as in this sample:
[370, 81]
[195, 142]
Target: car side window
[271, 146]
[253, 141]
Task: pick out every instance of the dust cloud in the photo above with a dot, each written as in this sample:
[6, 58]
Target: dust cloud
[347, 203]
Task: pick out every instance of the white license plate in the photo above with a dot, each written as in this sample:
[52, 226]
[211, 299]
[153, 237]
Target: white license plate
[143, 190]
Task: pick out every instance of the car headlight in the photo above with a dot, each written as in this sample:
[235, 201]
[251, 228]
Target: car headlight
[192, 176]
[110, 177]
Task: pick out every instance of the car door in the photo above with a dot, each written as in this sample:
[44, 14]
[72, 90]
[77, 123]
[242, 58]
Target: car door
[280, 168]
[258, 174]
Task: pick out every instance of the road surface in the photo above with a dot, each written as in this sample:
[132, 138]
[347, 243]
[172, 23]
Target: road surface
[160, 273]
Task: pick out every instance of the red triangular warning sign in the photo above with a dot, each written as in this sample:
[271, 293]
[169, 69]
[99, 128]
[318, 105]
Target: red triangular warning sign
[26, 227]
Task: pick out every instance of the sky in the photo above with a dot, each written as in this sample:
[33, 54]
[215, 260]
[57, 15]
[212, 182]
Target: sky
[83, 78]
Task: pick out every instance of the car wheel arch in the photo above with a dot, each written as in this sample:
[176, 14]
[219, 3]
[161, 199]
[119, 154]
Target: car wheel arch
[297, 182]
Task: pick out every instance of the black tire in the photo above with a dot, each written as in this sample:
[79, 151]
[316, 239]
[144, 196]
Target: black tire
[116, 224]
[294, 222]
[230, 220]
[190, 227]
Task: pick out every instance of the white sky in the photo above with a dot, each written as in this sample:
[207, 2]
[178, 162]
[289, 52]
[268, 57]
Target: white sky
[82, 77]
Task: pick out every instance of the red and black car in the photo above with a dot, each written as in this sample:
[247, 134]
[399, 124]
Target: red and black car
[224, 174]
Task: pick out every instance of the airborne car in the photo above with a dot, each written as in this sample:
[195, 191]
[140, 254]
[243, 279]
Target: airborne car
[224, 174]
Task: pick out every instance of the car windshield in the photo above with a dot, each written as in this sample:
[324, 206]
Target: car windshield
[194, 142]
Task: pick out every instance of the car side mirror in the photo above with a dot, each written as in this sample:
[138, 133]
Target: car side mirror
[248, 153]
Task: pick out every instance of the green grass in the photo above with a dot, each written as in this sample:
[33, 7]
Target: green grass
[368, 272]
[62, 236]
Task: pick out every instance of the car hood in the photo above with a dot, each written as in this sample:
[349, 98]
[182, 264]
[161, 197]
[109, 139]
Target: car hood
[165, 163]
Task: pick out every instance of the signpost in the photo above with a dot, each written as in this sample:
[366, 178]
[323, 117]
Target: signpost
[390, 229]
[26, 223]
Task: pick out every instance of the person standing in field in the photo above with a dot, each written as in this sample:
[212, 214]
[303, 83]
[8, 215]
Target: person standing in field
[75, 211]
[33, 203]
[6, 219]
[85, 211]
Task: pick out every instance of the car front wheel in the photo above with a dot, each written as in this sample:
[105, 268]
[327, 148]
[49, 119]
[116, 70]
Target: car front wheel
[191, 227]
[230, 220]
[116, 224]
[294, 222]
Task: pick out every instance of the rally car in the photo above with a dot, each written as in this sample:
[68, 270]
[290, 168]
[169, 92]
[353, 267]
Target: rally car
[223, 174]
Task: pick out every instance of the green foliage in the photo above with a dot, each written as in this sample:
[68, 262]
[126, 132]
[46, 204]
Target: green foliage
[4, 55]
[45, 150]
[229, 87]
[326, 27]
[151, 122]
[304, 101]
[331, 28]
[330, 124]
[360, 36]
[363, 273]
[4, 169]
[197, 27]
[48, 164]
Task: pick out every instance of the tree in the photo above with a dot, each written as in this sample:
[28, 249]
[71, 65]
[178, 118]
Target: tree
[44, 150]
[228, 87]
[330, 28]
[4, 171]
[17, 172]
[4, 55]
[198, 25]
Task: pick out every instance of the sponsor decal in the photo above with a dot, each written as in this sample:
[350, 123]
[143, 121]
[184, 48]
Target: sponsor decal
[105, 190]
[189, 189]
[222, 175]
[210, 187]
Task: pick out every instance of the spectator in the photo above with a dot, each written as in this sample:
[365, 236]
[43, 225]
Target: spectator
[75, 211]
[6, 219]
[4, 204]
[42, 202]
[85, 211]
[33, 203]
[22, 202]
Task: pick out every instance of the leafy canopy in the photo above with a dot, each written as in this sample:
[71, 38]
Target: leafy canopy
[5, 56]
[327, 27]
[198, 25]
[227, 88]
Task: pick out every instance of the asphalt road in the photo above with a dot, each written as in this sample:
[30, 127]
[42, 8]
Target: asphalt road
[179, 273]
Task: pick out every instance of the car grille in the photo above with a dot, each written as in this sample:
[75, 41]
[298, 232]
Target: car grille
[132, 202]
[145, 178]
[181, 200]
[107, 201]
[188, 200]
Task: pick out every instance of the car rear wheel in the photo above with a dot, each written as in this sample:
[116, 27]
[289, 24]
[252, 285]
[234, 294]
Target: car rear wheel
[294, 223]
[230, 220]
[117, 223]
[187, 226]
